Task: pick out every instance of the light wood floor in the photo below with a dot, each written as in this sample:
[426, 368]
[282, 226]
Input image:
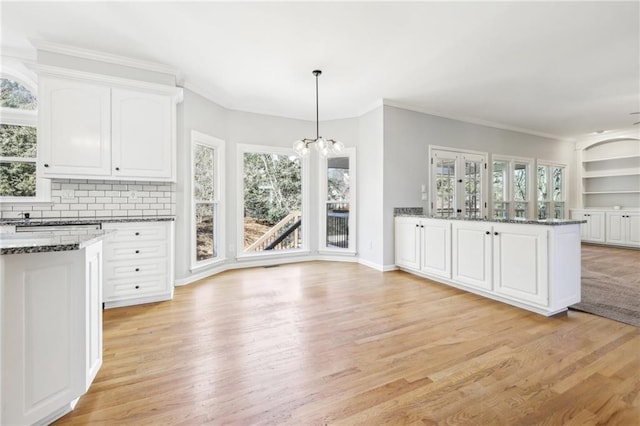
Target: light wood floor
[338, 343]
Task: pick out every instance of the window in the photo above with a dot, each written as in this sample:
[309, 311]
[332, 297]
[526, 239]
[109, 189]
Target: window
[207, 192]
[337, 202]
[18, 144]
[272, 200]
[511, 180]
[551, 190]
[457, 181]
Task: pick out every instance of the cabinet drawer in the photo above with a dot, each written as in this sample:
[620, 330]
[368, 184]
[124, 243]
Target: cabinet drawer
[136, 287]
[138, 232]
[134, 251]
[133, 269]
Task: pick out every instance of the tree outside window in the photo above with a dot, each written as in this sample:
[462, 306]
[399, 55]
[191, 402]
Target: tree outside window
[18, 140]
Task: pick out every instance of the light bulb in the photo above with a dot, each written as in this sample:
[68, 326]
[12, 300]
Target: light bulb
[337, 147]
[298, 146]
[321, 144]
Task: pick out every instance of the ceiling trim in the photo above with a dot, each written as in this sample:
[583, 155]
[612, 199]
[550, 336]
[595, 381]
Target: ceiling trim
[479, 122]
[95, 55]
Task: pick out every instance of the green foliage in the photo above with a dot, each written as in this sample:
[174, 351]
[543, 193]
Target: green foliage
[17, 141]
[15, 95]
[338, 184]
[204, 173]
[17, 179]
[272, 186]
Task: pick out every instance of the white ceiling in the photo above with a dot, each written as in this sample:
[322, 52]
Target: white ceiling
[556, 68]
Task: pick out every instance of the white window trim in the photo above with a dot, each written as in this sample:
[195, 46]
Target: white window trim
[531, 189]
[485, 196]
[18, 117]
[322, 203]
[565, 187]
[198, 138]
[248, 148]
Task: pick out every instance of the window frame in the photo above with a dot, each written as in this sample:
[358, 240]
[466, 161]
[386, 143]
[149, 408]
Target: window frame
[509, 184]
[218, 145]
[305, 209]
[26, 118]
[549, 165]
[322, 204]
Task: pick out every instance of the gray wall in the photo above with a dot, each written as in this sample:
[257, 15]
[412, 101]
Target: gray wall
[407, 136]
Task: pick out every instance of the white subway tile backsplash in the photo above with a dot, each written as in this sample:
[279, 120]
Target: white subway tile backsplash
[93, 197]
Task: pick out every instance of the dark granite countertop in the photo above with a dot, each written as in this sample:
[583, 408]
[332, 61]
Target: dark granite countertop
[50, 241]
[549, 222]
[84, 221]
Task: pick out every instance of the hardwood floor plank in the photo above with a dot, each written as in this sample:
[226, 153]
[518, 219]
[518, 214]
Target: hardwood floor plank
[339, 343]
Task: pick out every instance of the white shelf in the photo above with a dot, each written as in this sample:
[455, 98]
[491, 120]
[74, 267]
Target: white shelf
[612, 173]
[612, 192]
[619, 157]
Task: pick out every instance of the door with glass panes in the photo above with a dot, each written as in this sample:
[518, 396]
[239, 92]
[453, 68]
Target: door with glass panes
[457, 182]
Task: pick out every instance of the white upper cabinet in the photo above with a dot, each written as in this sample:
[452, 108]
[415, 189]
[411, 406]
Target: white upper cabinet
[75, 129]
[106, 130]
[143, 145]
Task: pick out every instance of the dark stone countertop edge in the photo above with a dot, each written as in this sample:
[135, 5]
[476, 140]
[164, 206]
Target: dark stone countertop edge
[548, 222]
[46, 248]
[84, 221]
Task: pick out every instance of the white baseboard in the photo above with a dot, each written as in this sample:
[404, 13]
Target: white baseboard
[270, 262]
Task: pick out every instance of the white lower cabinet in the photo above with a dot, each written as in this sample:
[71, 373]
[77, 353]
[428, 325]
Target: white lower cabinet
[623, 228]
[594, 229]
[51, 332]
[520, 263]
[472, 254]
[536, 267]
[138, 264]
[423, 245]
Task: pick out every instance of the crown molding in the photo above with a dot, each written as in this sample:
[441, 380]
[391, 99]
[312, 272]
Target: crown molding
[174, 91]
[95, 55]
[25, 55]
[593, 139]
[478, 122]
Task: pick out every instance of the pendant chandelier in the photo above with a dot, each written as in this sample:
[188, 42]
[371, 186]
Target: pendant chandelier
[324, 146]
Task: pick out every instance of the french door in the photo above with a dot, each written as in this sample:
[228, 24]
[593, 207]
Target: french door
[457, 183]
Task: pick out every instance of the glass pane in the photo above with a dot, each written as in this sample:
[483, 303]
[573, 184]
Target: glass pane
[542, 183]
[558, 180]
[543, 210]
[558, 210]
[445, 187]
[272, 202]
[17, 141]
[501, 210]
[17, 179]
[204, 173]
[499, 179]
[338, 179]
[473, 187]
[15, 95]
[520, 182]
[205, 238]
[338, 225]
[521, 210]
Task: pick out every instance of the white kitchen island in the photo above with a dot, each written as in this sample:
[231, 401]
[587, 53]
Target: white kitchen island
[51, 331]
[531, 264]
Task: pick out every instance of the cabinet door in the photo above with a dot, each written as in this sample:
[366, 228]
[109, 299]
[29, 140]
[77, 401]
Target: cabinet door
[93, 323]
[633, 229]
[471, 259]
[74, 129]
[596, 227]
[143, 135]
[435, 249]
[520, 263]
[43, 352]
[407, 238]
[616, 231]
[584, 227]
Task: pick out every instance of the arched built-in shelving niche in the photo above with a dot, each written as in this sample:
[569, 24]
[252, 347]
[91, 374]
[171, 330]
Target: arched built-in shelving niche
[610, 173]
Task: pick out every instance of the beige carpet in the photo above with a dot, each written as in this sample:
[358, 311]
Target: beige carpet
[611, 283]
